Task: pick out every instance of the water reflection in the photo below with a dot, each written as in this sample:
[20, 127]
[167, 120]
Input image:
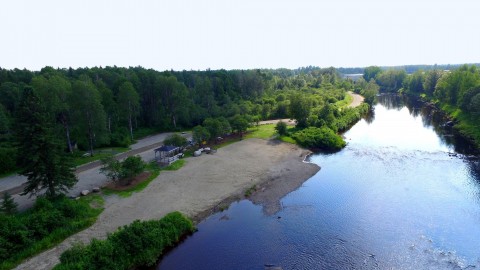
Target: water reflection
[431, 118]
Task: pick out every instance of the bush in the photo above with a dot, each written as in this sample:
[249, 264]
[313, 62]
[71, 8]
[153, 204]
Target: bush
[127, 169]
[175, 140]
[281, 128]
[138, 244]
[322, 138]
[131, 167]
[120, 138]
[46, 224]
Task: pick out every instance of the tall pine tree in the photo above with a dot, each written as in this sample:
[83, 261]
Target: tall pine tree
[40, 156]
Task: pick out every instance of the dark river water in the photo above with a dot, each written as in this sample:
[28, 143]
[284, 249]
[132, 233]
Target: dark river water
[397, 197]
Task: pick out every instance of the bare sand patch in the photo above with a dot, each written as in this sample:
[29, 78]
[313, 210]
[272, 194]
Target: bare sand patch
[198, 188]
[357, 100]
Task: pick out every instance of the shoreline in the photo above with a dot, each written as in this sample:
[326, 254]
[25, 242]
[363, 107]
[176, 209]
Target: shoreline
[205, 185]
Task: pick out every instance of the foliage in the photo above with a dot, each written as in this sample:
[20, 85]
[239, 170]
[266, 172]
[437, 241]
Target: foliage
[132, 166]
[176, 140]
[370, 92]
[111, 168]
[49, 222]
[40, 157]
[300, 109]
[321, 138]
[8, 158]
[155, 171]
[127, 169]
[371, 72]
[200, 134]
[9, 206]
[281, 128]
[240, 124]
[138, 244]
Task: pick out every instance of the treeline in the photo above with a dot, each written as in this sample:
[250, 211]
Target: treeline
[96, 107]
[409, 69]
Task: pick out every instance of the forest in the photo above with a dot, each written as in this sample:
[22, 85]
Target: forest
[88, 108]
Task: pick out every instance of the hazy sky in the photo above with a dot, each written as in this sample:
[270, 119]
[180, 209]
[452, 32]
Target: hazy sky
[237, 34]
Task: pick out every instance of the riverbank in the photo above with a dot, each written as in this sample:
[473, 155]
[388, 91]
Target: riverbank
[205, 184]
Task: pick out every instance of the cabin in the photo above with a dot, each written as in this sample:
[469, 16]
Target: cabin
[167, 154]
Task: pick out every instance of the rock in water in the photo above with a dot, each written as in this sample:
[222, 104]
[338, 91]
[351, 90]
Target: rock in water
[85, 192]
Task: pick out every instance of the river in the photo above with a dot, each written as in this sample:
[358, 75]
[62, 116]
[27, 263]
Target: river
[399, 196]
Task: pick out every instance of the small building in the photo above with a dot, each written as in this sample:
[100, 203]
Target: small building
[167, 154]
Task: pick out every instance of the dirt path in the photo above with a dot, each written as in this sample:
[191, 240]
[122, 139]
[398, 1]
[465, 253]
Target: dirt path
[357, 100]
[197, 189]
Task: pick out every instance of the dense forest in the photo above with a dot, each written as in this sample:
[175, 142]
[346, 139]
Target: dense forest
[88, 108]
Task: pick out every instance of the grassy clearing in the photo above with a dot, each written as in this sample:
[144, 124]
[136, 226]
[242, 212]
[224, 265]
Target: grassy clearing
[268, 132]
[262, 132]
[155, 169]
[345, 102]
[100, 153]
[44, 226]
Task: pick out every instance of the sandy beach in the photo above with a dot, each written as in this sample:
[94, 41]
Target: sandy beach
[204, 185]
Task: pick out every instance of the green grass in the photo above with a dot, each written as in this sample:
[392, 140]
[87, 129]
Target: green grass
[98, 155]
[262, 132]
[268, 132]
[345, 102]
[467, 125]
[152, 167]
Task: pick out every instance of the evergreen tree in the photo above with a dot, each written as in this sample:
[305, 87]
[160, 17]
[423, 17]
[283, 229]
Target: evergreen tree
[40, 156]
[9, 206]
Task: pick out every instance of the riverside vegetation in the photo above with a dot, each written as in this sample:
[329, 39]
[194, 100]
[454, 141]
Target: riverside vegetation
[455, 90]
[138, 244]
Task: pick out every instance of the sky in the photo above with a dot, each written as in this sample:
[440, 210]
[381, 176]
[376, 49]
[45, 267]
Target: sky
[215, 34]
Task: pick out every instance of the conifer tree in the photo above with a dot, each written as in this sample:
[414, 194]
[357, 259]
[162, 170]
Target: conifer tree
[40, 156]
[9, 206]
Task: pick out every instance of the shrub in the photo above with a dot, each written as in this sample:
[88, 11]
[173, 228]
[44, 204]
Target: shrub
[322, 138]
[47, 223]
[138, 244]
[175, 140]
[127, 169]
[281, 128]
[131, 167]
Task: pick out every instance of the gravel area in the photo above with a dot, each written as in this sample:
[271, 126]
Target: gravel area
[198, 188]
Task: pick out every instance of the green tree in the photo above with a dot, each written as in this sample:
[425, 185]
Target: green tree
[300, 109]
[370, 92]
[4, 121]
[128, 103]
[9, 206]
[200, 134]
[88, 113]
[431, 79]
[131, 167]
[175, 140]
[414, 83]
[54, 91]
[239, 124]
[112, 168]
[371, 72]
[41, 158]
[281, 128]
